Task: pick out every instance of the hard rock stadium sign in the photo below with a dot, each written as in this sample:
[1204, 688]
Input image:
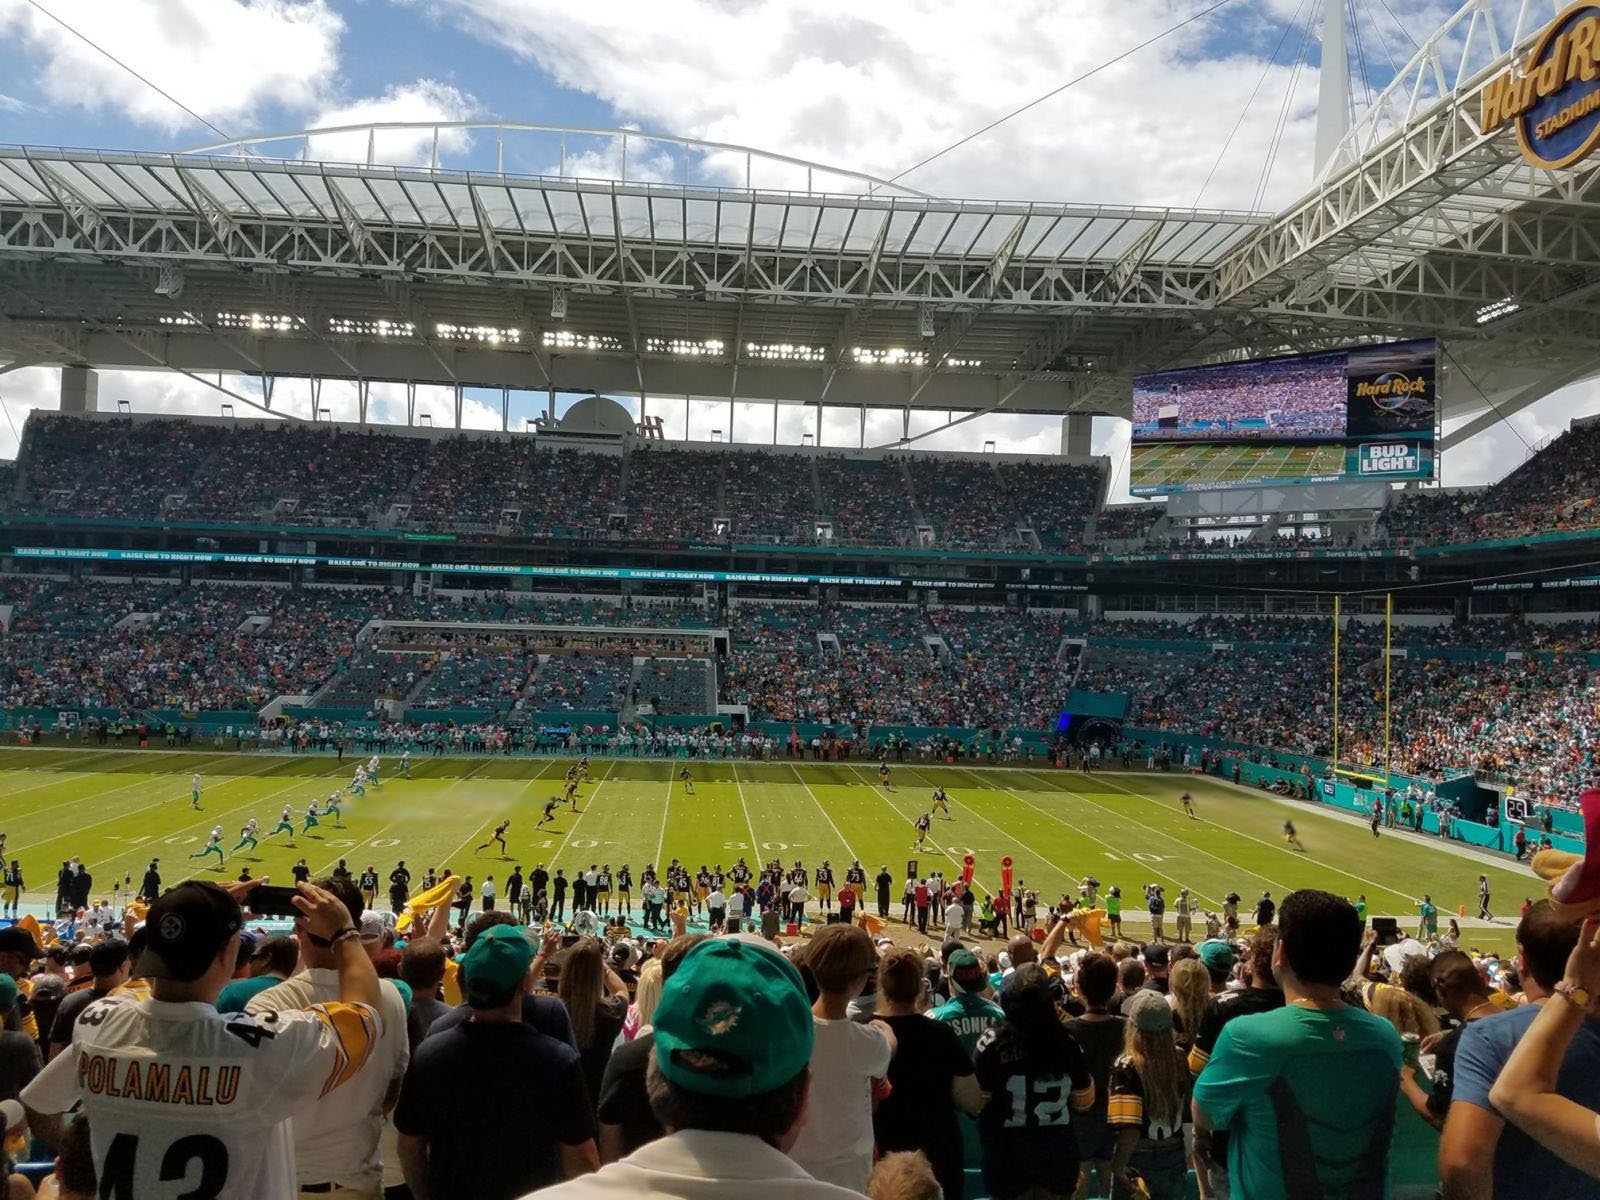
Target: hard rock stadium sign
[1554, 100]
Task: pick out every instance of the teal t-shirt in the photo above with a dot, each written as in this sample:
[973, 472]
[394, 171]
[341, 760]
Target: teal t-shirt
[1342, 1068]
[969, 1016]
[240, 992]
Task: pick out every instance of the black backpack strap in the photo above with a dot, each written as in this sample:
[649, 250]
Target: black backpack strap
[1297, 1158]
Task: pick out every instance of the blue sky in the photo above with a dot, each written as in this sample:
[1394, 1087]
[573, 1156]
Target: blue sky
[872, 88]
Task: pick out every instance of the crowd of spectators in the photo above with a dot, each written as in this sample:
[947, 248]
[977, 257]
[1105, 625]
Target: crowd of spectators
[1556, 489]
[695, 1047]
[478, 677]
[61, 650]
[1054, 499]
[867, 500]
[877, 626]
[123, 468]
[1126, 522]
[760, 626]
[377, 675]
[963, 499]
[674, 495]
[673, 685]
[770, 495]
[1458, 700]
[113, 468]
[574, 493]
[582, 683]
[472, 481]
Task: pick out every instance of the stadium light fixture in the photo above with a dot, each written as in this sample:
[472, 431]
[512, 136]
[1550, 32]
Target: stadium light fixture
[1496, 310]
[925, 323]
[558, 305]
[561, 339]
[787, 351]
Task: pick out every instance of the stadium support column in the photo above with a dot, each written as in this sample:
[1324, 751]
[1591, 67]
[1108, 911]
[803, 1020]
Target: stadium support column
[1076, 430]
[1333, 94]
[80, 390]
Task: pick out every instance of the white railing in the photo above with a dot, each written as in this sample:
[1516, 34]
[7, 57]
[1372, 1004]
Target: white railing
[1474, 39]
[571, 150]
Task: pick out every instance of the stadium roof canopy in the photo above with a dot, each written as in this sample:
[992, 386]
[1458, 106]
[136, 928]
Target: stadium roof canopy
[262, 257]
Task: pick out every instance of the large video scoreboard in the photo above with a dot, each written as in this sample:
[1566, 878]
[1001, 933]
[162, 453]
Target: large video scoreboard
[1364, 413]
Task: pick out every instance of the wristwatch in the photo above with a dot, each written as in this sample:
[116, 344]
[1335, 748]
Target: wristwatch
[1576, 995]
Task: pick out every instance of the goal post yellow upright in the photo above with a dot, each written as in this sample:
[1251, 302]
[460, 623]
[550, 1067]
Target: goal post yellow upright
[1336, 611]
[1339, 771]
[1388, 630]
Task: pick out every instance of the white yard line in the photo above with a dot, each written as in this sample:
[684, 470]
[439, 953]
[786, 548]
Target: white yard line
[481, 826]
[1333, 812]
[661, 841]
[1119, 852]
[755, 844]
[159, 781]
[938, 849]
[817, 800]
[1387, 889]
[1174, 838]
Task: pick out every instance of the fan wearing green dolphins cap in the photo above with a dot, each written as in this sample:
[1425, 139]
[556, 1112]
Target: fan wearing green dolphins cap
[729, 1081]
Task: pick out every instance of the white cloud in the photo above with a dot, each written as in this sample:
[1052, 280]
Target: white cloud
[875, 88]
[421, 102]
[224, 59]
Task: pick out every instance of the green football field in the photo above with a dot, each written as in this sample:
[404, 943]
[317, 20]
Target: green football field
[1190, 464]
[116, 810]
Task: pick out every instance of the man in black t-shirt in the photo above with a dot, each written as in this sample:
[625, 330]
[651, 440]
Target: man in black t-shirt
[1265, 910]
[538, 1132]
[558, 895]
[885, 881]
[1461, 992]
[514, 888]
[301, 872]
[109, 967]
[626, 1119]
[399, 888]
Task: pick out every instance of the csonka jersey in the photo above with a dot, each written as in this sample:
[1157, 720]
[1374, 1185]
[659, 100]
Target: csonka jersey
[185, 1101]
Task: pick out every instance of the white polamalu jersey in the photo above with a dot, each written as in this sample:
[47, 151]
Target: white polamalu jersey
[184, 1101]
[216, 834]
[287, 813]
[372, 765]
